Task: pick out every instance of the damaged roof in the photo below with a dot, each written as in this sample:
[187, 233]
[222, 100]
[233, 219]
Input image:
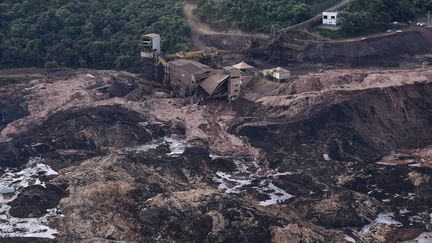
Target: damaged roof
[211, 84]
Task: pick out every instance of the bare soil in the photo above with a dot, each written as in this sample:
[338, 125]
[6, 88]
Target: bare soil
[296, 161]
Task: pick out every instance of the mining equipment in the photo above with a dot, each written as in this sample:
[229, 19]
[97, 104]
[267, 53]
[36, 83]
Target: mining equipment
[189, 77]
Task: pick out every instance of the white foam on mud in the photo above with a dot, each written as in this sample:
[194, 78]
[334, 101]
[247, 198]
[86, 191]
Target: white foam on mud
[415, 165]
[349, 239]
[387, 218]
[236, 184]
[177, 146]
[277, 196]
[382, 218]
[249, 175]
[387, 163]
[26, 177]
[142, 148]
[419, 218]
[25, 227]
[282, 173]
[391, 156]
[425, 237]
[403, 211]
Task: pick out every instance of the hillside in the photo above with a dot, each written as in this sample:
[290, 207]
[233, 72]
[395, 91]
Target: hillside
[258, 15]
[371, 16]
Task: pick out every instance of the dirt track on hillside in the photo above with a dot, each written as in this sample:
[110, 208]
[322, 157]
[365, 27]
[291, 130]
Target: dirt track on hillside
[200, 29]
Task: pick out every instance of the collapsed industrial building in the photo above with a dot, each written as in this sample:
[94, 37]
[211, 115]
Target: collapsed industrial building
[190, 77]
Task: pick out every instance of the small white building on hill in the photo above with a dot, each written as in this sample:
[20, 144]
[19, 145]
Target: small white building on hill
[330, 18]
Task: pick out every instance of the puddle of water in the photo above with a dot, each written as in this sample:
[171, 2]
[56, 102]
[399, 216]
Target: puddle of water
[25, 227]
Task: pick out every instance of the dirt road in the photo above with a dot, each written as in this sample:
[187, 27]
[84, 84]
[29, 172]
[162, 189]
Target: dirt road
[200, 29]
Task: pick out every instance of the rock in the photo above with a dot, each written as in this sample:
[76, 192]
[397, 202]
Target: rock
[419, 179]
[296, 233]
[218, 221]
[33, 201]
[401, 235]
[161, 94]
[378, 233]
[344, 210]
[10, 112]
[25, 240]
[120, 89]
[13, 154]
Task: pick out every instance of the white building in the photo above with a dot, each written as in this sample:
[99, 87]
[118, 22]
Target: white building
[330, 18]
[278, 73]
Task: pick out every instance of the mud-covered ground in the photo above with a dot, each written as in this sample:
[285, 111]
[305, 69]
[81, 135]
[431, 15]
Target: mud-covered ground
[337, 156]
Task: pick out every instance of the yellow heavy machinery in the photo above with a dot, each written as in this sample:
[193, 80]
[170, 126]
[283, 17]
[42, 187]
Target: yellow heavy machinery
[209, 55]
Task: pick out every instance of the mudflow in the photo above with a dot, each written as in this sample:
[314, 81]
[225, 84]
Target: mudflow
[95, 156]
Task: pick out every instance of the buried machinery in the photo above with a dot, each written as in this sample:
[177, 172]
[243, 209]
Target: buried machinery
[189, 77]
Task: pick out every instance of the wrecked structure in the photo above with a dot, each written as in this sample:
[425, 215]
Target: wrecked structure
[188, 77]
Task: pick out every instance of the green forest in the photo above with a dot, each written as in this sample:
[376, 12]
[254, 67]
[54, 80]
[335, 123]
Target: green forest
[369, 16]
[257, 15]
[104, 34]
[85, 33]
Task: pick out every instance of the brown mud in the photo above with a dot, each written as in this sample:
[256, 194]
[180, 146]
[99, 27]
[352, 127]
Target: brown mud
[293, 163]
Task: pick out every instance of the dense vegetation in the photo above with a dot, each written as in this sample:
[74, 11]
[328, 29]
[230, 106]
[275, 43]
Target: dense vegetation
[368, 16]
[257, 15]
[85, 33]
[105, 33]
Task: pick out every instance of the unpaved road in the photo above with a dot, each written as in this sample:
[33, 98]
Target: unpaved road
[199, 29]
[411, 28]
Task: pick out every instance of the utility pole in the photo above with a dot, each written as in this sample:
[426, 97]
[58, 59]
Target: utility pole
[428, 25]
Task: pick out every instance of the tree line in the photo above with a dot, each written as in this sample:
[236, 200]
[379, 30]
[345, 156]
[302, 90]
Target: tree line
[369, 16]
[104, 34]
[85, 33]
[254, 15]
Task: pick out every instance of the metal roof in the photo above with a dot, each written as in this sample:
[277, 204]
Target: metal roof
[242, 65]
[152, 35]
[191, 66]
[211, 83]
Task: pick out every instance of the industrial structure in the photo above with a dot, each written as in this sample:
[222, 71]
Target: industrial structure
[190, 77]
